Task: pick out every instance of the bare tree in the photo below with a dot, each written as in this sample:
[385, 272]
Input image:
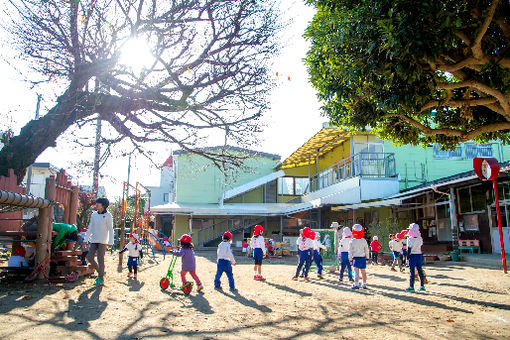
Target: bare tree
[205, 70]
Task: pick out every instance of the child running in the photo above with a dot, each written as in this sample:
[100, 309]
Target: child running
[375, 246]
[188, 260]
[414, 244]
[134, 250]
[258, 247]
[343, 252]
[359, 255]
[225, 262]
[317, 246]
[305, 247]
[396, 250]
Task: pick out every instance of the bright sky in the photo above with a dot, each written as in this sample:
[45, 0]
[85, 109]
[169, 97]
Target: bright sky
[293, 118]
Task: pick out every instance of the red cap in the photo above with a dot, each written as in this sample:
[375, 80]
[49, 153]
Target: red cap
[307, 233]
[20, 251]
[185, 238]
[228, 234]
[258, 229]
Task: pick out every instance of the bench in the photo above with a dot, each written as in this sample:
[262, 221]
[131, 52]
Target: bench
[469, 245]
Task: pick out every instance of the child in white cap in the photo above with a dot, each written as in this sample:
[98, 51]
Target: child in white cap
[317, 258]
[359, 255]
[414, 244]
[343, 253]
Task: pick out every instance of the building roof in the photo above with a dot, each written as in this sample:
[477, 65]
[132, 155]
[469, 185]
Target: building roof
[252, 185]
[228, 209]
[321, 143]
[232, 148]
[169, 163]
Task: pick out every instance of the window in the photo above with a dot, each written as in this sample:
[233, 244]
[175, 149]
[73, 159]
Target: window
[368, 147]
[165, 197]
[292, 185]
[472, 199]
[270, 192]
[447, 154]
[478, 150]
[286, 186]
[301, 185]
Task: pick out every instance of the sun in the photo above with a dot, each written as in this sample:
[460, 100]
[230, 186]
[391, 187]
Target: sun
[136, 54]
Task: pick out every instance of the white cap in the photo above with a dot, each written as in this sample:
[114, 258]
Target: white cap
[357, 227]
[376, 238]
[335, 225]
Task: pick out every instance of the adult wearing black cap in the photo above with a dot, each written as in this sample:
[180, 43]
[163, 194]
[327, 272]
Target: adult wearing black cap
[100, 235]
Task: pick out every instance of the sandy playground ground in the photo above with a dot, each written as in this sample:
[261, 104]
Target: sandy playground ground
[460, 303]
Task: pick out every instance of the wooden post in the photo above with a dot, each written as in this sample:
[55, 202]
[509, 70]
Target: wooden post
[123, 221]
[44, 226]
[73, 205]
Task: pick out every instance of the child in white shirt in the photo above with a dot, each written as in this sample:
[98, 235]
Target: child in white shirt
[414, 244]
[305, 247]
[225, 262]
[359, 255]
[343, 253]
[258, 246]
[317, 258]
[134, 250]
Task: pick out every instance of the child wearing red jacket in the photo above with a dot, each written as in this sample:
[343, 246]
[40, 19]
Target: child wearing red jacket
[375, 246]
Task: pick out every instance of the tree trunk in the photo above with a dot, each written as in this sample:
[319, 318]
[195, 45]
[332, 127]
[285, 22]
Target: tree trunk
[23, 149]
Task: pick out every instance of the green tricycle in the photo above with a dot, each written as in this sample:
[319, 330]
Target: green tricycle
[168, 280]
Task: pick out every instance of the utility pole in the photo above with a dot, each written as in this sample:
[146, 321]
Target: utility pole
[29, 173]
[97, 155]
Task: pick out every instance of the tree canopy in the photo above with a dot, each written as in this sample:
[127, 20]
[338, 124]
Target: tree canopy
[204, 71]
[416, 72]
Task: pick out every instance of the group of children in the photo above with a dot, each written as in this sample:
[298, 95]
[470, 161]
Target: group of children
[353, 251]
[353, 255]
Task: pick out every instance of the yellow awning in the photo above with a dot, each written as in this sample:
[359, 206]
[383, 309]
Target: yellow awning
[321, 143]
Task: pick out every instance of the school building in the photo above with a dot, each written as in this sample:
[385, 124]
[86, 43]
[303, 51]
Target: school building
[344, 177]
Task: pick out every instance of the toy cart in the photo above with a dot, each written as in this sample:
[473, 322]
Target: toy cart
[168, 280]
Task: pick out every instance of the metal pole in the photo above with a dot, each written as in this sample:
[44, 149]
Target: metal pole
[97, 155]
[500, 226]
[453, 221]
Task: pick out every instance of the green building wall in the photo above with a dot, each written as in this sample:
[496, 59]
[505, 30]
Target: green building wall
[417, 165]
[199, 181]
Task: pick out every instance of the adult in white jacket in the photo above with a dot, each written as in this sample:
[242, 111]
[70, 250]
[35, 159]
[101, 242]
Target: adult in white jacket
[100, 235]
[359, 254]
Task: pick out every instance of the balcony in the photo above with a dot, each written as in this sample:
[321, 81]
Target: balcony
[365, 165]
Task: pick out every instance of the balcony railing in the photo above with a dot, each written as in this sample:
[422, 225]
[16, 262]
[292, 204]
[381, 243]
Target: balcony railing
[365, 164]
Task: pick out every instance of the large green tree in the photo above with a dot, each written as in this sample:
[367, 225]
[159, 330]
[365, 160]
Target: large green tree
[416, 72]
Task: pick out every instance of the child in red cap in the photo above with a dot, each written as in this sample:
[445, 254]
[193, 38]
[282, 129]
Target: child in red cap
[225, 262]
[359, 254]
[305, 247]
[258, 246]
[17, 259]
[188, 260]
[134, 252]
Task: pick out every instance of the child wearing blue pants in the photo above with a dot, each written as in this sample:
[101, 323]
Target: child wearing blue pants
[343, 251]
[317, 258]
[305, 247]
[225, 262]
[414, 244]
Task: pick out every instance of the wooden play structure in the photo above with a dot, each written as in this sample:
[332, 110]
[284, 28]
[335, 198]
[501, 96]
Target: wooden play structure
[60, 194]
